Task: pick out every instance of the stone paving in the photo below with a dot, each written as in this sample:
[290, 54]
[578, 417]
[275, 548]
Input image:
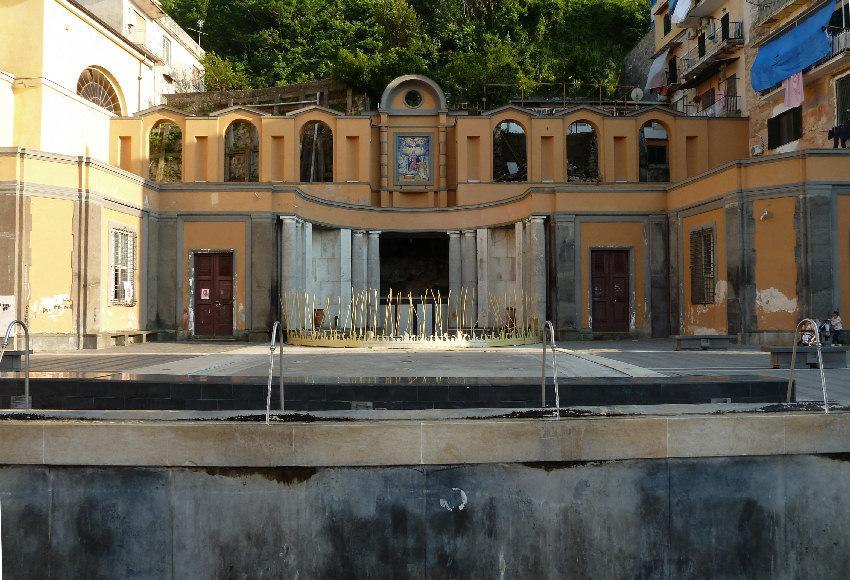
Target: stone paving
[585, 359]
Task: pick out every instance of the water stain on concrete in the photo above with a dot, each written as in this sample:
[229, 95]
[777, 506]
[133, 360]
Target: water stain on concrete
[284, 475]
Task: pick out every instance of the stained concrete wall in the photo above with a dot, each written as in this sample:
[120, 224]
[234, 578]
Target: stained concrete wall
[750, 517]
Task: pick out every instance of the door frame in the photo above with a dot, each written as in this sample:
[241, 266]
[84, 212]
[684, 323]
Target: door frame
[192, 253]
[632, 288]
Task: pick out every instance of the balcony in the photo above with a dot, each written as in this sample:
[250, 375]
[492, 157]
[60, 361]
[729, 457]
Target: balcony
[772, 11]
[717, 48]
[728, 106]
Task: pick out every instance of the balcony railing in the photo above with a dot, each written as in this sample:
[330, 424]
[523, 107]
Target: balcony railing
[728, 106]
[767, 10]
[717, 42]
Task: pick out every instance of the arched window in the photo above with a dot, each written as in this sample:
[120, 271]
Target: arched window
[582, 152]
[317, 153]
[241, 152]
[94, 86]
[653, 153]
[165, 152]
[510, 162]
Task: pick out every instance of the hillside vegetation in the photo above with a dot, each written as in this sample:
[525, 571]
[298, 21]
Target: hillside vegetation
[468, 46]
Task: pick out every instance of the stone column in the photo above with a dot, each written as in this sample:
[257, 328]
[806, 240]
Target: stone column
[675, 279]
[373, 262]
[289, 269]
[538, 269]
[469, 277]
[344, 273]
[359, 257]
[483, 274]
[659, 292]
[740, 268]
[455, 273]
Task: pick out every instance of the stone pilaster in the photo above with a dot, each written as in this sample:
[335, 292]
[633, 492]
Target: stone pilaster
[373, 261]
[289, 283]
[359, 257]
[483, 274]
[469, 277]
[563, 264]
[538, 269]
[455, 274]
[659, 292]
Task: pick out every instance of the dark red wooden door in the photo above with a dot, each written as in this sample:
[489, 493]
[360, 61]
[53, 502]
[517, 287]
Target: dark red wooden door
[214, 294]
[610, 290]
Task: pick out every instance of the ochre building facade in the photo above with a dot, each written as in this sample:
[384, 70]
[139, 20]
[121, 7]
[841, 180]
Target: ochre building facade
[644, 223]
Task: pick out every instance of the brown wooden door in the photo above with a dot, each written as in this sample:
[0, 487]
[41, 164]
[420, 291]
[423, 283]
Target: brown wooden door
[214, 294]
[610, 290]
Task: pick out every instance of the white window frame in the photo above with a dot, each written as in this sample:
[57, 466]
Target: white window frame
[166, 49]
[122, 266]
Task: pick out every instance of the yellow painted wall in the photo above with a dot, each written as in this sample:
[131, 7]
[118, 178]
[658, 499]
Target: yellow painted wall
[615, 235]
[118, 317]
[705, 318]
[50, 269]
[218, 236]
[775, 264]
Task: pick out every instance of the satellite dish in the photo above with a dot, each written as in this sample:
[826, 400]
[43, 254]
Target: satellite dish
[637, 94]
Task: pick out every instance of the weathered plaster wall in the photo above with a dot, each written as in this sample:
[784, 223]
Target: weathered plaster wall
[776, 263]
[224, 236]
[705, 318]
[616, 235]
[50, 266]
[683, 518]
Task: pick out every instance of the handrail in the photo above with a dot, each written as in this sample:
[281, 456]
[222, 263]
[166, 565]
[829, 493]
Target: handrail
[27, 403]
[276, 332]
[550, 340]
[820, 361]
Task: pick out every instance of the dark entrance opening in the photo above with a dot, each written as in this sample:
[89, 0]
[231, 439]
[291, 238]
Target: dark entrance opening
[609, 290]
[414, 263]
[213, 294]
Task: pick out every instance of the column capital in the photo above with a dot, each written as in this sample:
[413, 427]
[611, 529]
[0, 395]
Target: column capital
[358, 232]
[537, 219]
[375, 233]
[453, 233]
[470, 233]
[290, 219]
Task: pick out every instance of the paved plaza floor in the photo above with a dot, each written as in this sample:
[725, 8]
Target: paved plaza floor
[638, 358]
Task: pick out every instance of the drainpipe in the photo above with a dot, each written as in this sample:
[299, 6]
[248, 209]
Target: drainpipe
[139, 87]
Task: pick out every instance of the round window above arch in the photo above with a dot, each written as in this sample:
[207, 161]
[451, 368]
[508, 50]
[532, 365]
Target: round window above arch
[413, 98]
[95, 87]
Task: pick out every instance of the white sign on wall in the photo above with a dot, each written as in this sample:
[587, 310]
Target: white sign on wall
[7, 312]
[205, 293]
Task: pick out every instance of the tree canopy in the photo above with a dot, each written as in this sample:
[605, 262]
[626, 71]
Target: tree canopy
[470, 47]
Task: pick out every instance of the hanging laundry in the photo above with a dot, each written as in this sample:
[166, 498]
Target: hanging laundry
[793, 86]
[839, 133]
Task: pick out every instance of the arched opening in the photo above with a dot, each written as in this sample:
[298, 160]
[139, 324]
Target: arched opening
[165, 152]
[95, 87]
[317, 153]
[510, 161]
[582, 152]
[241, 152]
[653, 153]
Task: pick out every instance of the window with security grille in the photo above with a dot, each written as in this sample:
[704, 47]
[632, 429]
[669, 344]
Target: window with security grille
[123, 267]
[702, 266]
[785, 128]
[842, 99]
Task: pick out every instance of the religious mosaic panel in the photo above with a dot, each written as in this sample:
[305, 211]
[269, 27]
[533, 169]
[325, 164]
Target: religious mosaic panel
[413, 160]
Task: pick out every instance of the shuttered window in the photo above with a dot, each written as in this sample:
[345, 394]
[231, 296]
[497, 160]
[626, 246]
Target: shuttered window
[702, 266]
[842, 99]
[123, 266]
[785, 128]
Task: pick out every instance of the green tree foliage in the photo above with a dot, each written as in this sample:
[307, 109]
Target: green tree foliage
[468, 46]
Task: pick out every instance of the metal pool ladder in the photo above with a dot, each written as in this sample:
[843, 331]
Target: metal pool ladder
[549, 339]
[276, 332]
[27, 401]
[820, 361]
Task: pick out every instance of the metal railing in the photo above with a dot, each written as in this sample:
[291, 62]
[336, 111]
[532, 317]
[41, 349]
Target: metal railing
[808, 322]
[276, 332]
[723, 107]
[27, 400]
[549, 339]
[713, 43]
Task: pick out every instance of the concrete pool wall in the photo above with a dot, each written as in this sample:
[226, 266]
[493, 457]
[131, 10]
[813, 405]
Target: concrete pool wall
[695, 496]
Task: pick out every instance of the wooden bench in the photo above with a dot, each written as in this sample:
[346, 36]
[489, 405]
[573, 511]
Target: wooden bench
[834, 357]
[13, 360]
[703, 341]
